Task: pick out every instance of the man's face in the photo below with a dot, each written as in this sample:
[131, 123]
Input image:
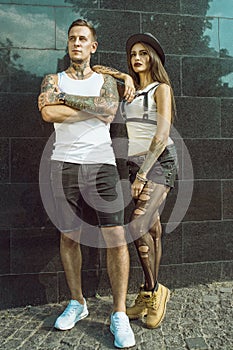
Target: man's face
[81, 44]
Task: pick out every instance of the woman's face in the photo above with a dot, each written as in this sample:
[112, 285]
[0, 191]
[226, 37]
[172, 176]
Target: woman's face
[139, 58]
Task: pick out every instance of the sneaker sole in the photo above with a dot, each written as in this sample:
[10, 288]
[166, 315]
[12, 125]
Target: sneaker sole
[82, 316]
[164, 311]
[120, 346]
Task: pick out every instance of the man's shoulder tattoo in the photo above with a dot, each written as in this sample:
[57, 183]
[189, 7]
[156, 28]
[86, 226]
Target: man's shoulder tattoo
[48, 83]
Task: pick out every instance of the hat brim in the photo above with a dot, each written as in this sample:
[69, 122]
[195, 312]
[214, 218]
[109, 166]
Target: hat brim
[148, 39]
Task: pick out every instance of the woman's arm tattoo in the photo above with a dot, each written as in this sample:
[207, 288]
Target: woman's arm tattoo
[156, 148]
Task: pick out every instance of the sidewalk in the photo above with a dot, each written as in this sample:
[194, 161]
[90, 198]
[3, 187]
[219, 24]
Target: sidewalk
[199, 318]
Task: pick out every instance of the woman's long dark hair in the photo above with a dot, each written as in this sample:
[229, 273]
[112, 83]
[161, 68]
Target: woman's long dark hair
[157, 70]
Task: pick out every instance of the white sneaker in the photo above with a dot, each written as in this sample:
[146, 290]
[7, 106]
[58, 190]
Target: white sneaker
[73, 313]
[120, 328]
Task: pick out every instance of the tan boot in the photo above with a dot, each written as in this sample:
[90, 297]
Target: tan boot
[156, 306]
[139, 309]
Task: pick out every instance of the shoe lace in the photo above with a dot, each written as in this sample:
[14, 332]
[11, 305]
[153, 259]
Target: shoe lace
[153, 302]
[121, 324]
[139, 300]
[69, 310]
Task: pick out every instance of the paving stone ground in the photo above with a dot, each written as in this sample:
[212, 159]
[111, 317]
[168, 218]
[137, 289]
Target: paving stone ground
[197, 318]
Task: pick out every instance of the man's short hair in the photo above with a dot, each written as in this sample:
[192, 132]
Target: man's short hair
[83, 23]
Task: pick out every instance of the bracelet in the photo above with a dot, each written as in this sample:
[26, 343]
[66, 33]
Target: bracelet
[141, 179]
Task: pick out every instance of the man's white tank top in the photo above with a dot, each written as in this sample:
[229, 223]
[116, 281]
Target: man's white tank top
[83, 142]
[141, 131]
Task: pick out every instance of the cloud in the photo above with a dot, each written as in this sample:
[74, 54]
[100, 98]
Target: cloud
[28, 27]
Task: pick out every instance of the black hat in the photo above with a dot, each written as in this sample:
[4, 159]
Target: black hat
[147, 38]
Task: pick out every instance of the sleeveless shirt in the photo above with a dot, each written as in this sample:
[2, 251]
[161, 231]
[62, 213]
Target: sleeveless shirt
[83, 142]
[141, 131]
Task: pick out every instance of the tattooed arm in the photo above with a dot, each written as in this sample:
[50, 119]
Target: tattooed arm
[49, 89]
[106, 104]
[128, 80]
[52, 111]
[159, 141]
[62, 113]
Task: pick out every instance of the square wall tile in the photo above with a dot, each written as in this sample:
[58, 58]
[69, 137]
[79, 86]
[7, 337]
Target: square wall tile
[173, 68]
[5, 206]
[200, 8]
[209, 76]
[206, 201]
[177, 204]
[27, 121]
[20, 26]
[165, 28]
[171, 276]
[4, 72]
[170, 6]
[26, 155]
[114, 60]
[35, 250]
[172, 247]
[199, 36]
[28, 67]
[227, 271]
[226, 117]
[207, 241]
[4, 252]
[4, 159]
[227, 190]
[211, 158]
[225, 30]
[193, 274]
[35, 289]
[194, 115]
[25, 207]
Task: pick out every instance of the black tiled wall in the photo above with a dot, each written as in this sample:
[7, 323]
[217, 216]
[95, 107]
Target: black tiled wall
[196, 36]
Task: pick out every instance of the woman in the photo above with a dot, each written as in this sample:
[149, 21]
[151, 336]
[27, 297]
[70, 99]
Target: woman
[152, 162]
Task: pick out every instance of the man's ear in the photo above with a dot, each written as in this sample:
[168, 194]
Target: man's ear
[94, 46]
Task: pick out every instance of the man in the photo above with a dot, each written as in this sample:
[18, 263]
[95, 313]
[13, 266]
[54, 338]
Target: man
[81, 103]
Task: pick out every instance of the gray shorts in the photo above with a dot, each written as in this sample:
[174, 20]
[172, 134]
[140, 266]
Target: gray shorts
[163, 171]
[89, 193]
